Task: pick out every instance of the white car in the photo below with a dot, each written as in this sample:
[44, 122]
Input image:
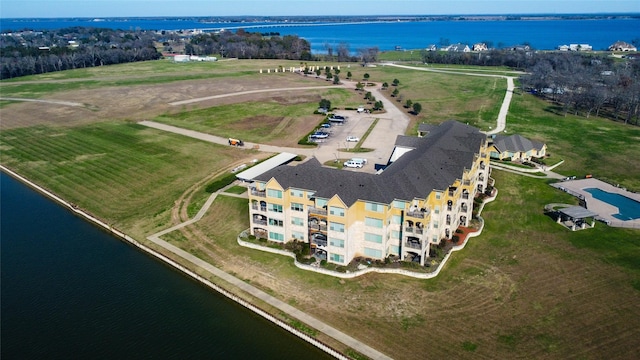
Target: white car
[353, 139]
[353, 164]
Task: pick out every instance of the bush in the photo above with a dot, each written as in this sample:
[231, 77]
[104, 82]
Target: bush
[220, 182]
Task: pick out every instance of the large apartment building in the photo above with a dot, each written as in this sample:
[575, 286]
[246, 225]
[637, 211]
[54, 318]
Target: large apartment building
[419, 199]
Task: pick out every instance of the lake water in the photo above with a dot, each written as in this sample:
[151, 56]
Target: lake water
[542, 34]
[72, 291]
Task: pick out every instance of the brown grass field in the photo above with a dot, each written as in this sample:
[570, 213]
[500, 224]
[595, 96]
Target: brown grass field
[524, 289]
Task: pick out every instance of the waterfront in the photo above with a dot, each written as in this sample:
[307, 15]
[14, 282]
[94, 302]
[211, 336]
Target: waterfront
[541, 34]
[70, 290]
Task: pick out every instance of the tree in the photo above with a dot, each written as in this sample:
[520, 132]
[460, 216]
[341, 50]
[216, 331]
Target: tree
[318, 72]
[336, 79]
[359, 86]
[396, 82]
[329, 75]
[366, 76]
[417, 108]
[349, 75]
[367, 96]
[385, 85]
[325, 103]
[408, 104]
[395, 92]
[379, 105]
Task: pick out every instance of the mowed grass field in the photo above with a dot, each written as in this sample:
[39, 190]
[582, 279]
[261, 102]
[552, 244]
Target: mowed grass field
[526, 288]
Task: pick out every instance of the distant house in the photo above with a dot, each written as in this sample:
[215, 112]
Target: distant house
[622, 46]
[480, 47]
[457, 48]
[431, 47]
[516, 148]
[580, 47]
[563, 47]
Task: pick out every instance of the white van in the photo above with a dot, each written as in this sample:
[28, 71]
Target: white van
[353, 164]
[361, 161]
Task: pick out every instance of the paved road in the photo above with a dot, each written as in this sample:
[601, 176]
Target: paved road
[501, 121]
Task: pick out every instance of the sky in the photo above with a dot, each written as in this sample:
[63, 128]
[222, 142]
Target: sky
[137, 8]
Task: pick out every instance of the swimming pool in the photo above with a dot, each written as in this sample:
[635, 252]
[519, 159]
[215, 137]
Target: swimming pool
[628, 209]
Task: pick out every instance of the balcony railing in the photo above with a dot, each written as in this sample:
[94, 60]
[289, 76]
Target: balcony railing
[413, 245]
[419, 230]
[317, 226]
[258, 193]
[417, 213]
[258, 207]
[319, 242]
[464, 208]
[408, 229]
[259, 222]
[313, 210]
[482, 166]
[465, 195]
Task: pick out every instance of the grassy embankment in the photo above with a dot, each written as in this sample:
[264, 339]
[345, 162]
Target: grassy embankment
[525, 286]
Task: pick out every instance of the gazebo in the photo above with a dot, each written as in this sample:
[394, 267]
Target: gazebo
[574, 217]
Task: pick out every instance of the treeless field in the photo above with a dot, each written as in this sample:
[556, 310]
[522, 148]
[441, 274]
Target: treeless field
[526, 288]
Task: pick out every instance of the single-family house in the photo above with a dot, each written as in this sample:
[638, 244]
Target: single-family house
[516, 148]
[622, 46]
[480, 47]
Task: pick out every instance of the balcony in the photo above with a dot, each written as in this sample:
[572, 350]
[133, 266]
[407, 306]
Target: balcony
[413, 244]
[319, 239]
[482, 166]
[317, 211]
[408, 229]
[259, 207]
[464, 208]
[420, 213]
[255, 192]
[465, 195]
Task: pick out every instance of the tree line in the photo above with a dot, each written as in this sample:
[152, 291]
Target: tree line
[583, 84]
[29, 53]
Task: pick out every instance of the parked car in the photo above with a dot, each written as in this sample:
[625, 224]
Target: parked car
[235, 142]
[325, 125]
[319, 135]
[337, 118]
[353, 139]
[353, 164]
[360, 109]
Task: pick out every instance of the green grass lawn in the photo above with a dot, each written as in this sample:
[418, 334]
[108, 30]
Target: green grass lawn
[125, 173]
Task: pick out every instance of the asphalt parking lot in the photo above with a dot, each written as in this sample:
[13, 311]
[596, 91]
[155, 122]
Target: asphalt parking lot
[380, 140]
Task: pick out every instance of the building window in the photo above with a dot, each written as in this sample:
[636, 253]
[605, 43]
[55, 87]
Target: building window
[394, 249]
[274, 207]
[297, 235]
[395, 234]
[297, 193]
[274, 193]
[336, 258]
[373, 238]
[297, 207]
[334, 226]
[436, 209]
[334, 210]
[396, 219]
[321, 203]
[435, 224]
[276, 236]
[373, 222]
[399, 204]
[336, 242]
[373, 253]
[275, 222]
[297, 221]
[438, 194]
[373, 207]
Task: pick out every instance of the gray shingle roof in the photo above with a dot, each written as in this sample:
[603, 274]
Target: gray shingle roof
[436, 162]
[516, 143]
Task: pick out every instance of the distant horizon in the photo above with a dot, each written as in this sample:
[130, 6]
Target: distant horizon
[390, 16]
[61, 9]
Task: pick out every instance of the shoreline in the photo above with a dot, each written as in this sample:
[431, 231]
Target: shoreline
[168, 261]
